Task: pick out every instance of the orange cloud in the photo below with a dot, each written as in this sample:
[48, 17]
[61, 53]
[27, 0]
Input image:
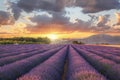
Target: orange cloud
[118, 18]
[17, 28]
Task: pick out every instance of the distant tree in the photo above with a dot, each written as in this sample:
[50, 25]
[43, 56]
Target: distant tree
[76, 42]
[81, 42]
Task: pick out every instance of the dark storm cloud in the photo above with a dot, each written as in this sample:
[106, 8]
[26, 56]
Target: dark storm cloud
[45, 23]
[89, 6]
[59, 18]
[41, 19]
[92, 6]
[30, 5]
[5, 18]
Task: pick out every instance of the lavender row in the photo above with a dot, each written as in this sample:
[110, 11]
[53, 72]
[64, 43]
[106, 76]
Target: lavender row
[15, 48]
[16, 53]
[24, 50]
[8, 48]
[104, 48]
[18, 68]
[79, 69]
[19, 48]
[51, 69]
[105, 66]
[10, 59]
[100, 48]
[115, 58]
[106, 54]
[31, 49]
[110, 50]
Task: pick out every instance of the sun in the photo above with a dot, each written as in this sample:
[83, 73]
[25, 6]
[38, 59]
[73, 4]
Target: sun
[52, 36]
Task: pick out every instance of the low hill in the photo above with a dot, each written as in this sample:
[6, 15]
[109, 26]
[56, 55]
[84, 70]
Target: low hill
[101, 39]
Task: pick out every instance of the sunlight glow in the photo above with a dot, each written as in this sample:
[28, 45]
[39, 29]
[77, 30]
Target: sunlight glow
[52, 36]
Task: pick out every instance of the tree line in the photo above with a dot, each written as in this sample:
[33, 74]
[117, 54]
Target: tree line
[25, 40]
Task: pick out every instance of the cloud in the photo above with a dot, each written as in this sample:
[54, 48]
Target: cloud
[58, 23]
[4, 33]
[5, 18]
[92, 6]
[30, 5]
[56, 17]
[41, 19]
[118, 19]
[13, 8]
[101, 23]
[103, 20]
[88, 6]
[17, 28]
[45, 23]
[116, 26]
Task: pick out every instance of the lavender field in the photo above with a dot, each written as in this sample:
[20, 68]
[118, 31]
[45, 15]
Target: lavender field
[59, 62]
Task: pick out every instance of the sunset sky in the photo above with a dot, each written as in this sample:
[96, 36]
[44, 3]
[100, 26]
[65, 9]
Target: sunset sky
[61, 18]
